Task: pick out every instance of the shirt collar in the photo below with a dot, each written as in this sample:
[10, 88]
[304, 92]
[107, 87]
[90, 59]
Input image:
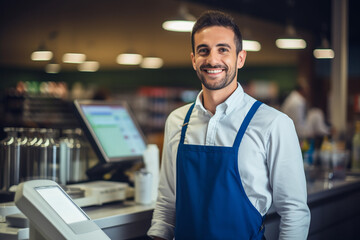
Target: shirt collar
[228, 105]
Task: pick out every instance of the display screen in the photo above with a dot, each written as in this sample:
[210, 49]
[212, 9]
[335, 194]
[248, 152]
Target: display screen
[114, 130]
[62, 204]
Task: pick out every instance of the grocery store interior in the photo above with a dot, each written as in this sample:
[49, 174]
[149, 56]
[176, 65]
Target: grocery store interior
[37, 92]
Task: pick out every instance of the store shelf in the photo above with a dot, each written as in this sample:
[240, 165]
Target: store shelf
[38, 111]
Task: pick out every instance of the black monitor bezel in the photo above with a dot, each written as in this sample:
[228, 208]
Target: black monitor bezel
[91, 136]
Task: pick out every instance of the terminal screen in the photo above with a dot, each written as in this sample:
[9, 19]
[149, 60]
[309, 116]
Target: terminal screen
[115, 130]
[61, 204]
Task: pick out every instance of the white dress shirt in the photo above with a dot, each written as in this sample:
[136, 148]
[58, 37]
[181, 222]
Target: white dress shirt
[270, 161]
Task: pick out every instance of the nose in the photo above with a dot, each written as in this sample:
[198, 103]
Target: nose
[212, 58]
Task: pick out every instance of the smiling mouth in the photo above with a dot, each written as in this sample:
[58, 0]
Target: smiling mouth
[214, 71]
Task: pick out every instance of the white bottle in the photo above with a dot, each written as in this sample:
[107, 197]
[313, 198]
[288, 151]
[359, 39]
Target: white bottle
[151, 161]
[143, 183]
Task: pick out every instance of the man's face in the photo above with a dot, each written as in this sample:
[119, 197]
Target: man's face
[215, 59]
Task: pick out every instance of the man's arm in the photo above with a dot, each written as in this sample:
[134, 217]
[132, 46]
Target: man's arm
[287, 179]
[163, 221]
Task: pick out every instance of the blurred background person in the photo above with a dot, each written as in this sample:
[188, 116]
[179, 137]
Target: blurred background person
[309, 121]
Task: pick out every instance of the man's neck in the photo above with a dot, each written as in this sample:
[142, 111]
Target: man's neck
[212, 98]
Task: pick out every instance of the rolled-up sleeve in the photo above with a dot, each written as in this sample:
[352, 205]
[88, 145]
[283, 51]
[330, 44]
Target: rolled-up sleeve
[287, 179]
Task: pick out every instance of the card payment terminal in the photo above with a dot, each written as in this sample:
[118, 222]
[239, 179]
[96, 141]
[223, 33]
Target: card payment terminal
[53, 214]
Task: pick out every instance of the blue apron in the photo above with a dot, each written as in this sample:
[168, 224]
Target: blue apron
[210, 200]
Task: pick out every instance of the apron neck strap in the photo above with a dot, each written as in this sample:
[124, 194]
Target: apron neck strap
[245, 123]
[242, 129]
[186, 121]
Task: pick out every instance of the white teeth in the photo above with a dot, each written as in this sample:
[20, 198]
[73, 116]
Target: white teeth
[214, 71]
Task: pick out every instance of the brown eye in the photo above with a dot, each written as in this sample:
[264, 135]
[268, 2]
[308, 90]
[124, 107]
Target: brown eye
[203, 51]
[223, 50]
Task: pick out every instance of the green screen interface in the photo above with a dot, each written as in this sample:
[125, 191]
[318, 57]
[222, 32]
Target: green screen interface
[115, 130]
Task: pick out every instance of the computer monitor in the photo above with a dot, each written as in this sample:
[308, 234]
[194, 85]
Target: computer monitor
[111, 129]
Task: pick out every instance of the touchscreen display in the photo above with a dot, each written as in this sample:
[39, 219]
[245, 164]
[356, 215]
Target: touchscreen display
[62, 204]
[115, 130]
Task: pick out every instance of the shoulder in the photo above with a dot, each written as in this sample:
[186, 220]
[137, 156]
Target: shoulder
[268, 116]
[179, 114]
[271, 113]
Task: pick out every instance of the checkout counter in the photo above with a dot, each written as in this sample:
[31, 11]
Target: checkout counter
[334, 203]
[118, 143]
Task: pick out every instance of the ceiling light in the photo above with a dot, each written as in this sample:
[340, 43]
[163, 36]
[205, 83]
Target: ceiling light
[178, 25]
[129, 59]
[74, 58]
[52, 68]
[324, 51]
[152, 62]
[251, 45]
[183, 23]
[291, 40]
[41, 55]
[89, 66]
[290, 43]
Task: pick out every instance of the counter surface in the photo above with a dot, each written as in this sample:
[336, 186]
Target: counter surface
[336, 197]
[121, 212]
[128, 212]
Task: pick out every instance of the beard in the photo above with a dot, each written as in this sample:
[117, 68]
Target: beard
[216, 84]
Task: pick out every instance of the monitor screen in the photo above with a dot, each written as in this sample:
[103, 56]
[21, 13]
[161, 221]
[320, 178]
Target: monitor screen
[62, 204]
[112, 130]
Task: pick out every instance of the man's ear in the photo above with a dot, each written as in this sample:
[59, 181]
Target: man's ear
[193, 60]
[241, 59]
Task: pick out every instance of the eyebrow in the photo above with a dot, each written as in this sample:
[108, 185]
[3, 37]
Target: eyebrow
[217, 45]
[223, 45]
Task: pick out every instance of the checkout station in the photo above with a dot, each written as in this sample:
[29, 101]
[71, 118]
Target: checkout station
[98, 209]
[93, 209]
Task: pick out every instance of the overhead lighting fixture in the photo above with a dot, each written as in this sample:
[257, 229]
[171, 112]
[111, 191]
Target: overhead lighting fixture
[178, 25]
[290, 43]
[74, 58]
[251, 45]
[152, 63]
[89, 66]
[41, 55]
[247, 43]
[291, 40]
[129, 59]
[324, 51]
[52, 68]
[183, 23]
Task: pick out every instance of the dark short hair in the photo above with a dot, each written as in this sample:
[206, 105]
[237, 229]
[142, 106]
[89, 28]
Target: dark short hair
[217, 18]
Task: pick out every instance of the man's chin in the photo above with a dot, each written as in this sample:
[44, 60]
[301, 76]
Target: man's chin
[213, 86]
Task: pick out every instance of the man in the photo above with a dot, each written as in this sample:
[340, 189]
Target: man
[295, 107]
[308, 124]
[226, 158]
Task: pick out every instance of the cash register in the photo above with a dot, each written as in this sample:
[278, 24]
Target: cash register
[111, 129]
[117, 141]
